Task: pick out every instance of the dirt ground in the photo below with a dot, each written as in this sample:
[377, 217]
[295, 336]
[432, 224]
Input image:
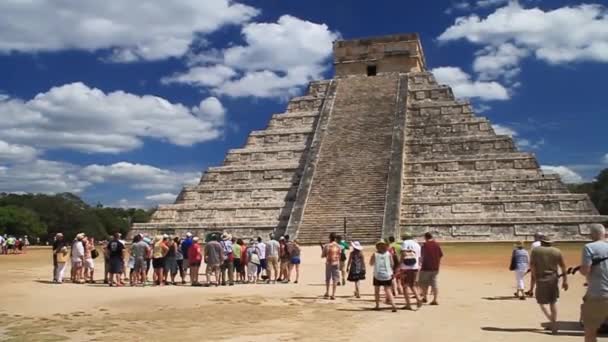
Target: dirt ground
[475, 305]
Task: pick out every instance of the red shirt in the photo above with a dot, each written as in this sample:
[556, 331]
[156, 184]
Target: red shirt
[431, 256]
[194, 253]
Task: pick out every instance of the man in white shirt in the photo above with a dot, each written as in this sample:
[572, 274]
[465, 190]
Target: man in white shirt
[272, 259]
[261, 247]
[410, 265]
[538, 236]
[78, 259]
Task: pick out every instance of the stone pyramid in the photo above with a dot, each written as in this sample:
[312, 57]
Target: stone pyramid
[381, 149]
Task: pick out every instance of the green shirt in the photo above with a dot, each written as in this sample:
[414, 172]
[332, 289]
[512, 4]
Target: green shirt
[236, 250]
[397, 247]
[344, 246]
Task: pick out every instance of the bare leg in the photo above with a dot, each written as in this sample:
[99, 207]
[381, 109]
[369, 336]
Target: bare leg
[297, 273]
[406, 295]
[377, 296]
[389, 295]
[590, 335]
[357, 293]
[435, 294]
[333, 289]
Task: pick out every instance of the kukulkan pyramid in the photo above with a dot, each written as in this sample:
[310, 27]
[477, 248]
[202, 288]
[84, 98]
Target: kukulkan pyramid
[386, 148]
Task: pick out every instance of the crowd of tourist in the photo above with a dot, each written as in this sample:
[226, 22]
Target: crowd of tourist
[10, 244]
[227, 260]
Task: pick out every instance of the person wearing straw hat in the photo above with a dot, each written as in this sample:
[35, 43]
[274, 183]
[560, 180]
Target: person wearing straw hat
[383, 264]
[544, 263]
[356, 266]
[520, 262]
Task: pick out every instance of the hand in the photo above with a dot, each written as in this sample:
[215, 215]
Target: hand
[565, 285]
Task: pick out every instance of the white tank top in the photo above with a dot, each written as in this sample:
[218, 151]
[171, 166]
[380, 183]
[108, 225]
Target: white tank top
[382, 266]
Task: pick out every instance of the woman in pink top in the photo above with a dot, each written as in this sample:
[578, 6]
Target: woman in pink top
[195, 258]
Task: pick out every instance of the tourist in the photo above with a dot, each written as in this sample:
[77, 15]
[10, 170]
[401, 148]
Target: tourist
[3, 248]
[594, 267]
[170, 262]
[139, 251]
[520, 263]
[356, 266]
[237, 253]
[244, 260]
[431, 255]
[148, 258]
[538, 236]
[261, 247]
[10, 244]
[331, 252]
[78, 259]
[90, 253]
[106, 262]
[394, 248]
[344, 247]
[214, 256]
[227, 266]
[272, 259]
[544, 263]
[284, 259]
[382, 261]
[195, 258]
[159, 252]
[253, 259]
[293, 250]
[61, 258]
[115, 250]
[410, 264]
[58, 245]
[186, 243]
[179, 258]
[26, 243]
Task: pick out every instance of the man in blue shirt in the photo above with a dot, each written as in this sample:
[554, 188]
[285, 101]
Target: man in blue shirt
[185, 246]
[595, 268]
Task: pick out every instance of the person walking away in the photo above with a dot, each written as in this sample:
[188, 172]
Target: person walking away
[90, 253]
[356, 266]
[538, 236]
[227, 266]
[261, 246]
[253, 262]
[382, 261]
[186, 243]
[410, 264]
[344, 247]
[139, 252]
[236, 253]
[594, 267]
[272, 259]
[244, 260]
[214, 257]
[179, 258]
[431, 255]
[58, 245]
[159, 252]
[544, 263]
[61, 257]
[170, 262]
[520, 263]
[331, 252]
[115, 251]
[293, 249]
[78, 259]
[195, 258]
[283, 259]
[395, 248]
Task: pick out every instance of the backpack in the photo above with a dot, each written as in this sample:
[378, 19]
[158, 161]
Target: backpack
[94, 254]
[409, 258]
[255, 258]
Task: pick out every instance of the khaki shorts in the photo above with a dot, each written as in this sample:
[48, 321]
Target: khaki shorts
[332, 273]
[547, 291]
[212, 268]
[272, 262]
[594, 312]
[428, 278]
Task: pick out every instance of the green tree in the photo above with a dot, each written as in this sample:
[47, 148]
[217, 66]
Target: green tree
[597, 191]
[18, 221]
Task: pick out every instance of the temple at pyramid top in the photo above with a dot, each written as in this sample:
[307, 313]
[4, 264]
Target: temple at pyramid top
[396, 53]
[379, 150]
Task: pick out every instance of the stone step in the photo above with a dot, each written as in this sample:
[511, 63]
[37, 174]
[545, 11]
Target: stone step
[431, 93]
[268, 149]
[441, 103]
[574, 219]
[451, 119]
[255, 176]
[254, 167]
[460, 146]
[281, 131]
[494, 199]
[448, 158]
[295, 115]
[239, 187]
[507, 161]
[305, 103]
[208, 225]
[223, 205]
[457, 140]
[475, 179]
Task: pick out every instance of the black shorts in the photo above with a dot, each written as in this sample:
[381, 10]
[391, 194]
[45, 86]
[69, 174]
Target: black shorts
[195, 264]
[117, 265]
[237, 264]
[158, 263]
[383, 282]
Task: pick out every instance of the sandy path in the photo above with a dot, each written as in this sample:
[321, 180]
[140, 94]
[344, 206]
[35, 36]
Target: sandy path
[34, 310]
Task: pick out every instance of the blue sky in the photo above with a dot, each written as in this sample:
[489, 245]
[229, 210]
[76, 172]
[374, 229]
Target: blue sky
[124, 102]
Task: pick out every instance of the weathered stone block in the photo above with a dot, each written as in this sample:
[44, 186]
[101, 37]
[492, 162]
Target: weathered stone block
[467, 208]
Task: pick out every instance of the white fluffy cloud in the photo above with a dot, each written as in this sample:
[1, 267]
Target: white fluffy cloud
[464, 86]
[502, 61]
[276, 60]
[138, 176]
[75, 116]
[566, 34]
[165, 197]
[43, 176]
[143, 29]
[16, 153]
[504, 130]
[567, 175]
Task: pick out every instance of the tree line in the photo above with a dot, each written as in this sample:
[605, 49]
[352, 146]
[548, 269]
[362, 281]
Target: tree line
[42, 216]
[596, 189]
